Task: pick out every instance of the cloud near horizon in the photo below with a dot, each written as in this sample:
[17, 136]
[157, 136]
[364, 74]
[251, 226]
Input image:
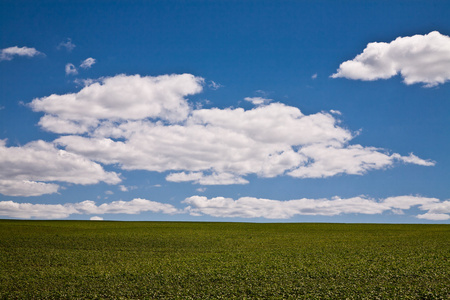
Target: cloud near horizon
[245, 207]
[418, 59]
[9, 53]
[60, 211]
[250, 207]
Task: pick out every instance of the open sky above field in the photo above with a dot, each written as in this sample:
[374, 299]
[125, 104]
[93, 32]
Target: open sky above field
[259, 111]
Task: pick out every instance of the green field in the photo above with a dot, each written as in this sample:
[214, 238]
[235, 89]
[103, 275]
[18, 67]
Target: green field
[167, 260]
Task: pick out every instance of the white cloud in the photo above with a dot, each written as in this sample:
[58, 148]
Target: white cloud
[26, 170]
[146, 123]
[57, 211]
[418, 59]
[96, 218]
[71, 70]
[9, 53]
[249, 207]
[335, 112]
[201, 178]
[134, 206]
[326, 161]
[267, 141]
[245, 207]
[314, 76]
[67, 44]
[87, 63]
[434, 217]
[436, 210]
[119, 98]
[406, 202]
[27, 210]
[26, 188]
[412, 159]
[257, 100]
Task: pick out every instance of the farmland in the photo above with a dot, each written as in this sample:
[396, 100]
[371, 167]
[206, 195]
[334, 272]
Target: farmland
[186, 260]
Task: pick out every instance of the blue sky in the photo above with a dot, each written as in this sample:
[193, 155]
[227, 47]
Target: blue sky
[257, 111]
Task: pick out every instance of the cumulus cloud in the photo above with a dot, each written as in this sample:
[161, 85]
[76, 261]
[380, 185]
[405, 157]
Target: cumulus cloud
[119, 98]
[71, 70]
[249, 207]
[67, 44]
[418, 59]
[220, 146]
[436, 210]
[26, 170]
[147, 123]
[9, 53]
[87, 63]
[26, 188]
[96, 218]
[58, 211]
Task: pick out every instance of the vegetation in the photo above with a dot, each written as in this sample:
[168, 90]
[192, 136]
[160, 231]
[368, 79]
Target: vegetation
[167, 260]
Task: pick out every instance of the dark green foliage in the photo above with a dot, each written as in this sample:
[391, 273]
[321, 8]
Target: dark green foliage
[165, 260]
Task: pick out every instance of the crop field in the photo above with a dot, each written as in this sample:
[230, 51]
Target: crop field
[180, 260]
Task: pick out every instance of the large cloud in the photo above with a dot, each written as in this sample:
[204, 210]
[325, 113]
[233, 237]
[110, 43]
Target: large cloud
[9, 53]
[419, 59]
[249, 207]
[58, 211]
[26, 170]
[118, 98]
[219, 146]
[146, 123]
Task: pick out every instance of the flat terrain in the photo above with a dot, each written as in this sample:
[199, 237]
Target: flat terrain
[167, 260]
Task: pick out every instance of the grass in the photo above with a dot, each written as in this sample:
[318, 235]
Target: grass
[170, 260]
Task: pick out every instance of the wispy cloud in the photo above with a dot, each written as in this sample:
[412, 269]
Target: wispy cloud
[207, 179]
[71, 69]
[214, 85]
[67, 44]
[11, 52]
[87, 63]
[419, 59]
